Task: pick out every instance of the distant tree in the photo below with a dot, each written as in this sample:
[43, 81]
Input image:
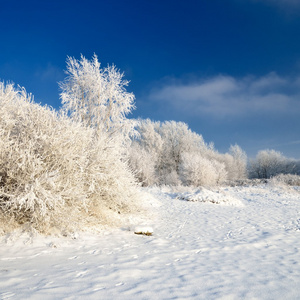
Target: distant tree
[145, 152]
[142, 163]
[178, 139]
[266, 164]
[239, 166]
[197, 170]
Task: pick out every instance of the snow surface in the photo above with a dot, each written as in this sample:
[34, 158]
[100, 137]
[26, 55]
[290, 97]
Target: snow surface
[245, 247]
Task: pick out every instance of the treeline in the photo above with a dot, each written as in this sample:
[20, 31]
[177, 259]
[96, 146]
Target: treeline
[169, 153]
[270, 163]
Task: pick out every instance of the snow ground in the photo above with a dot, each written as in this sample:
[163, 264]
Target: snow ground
[246, 247]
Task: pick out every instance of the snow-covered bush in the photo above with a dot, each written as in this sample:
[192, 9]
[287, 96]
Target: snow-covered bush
[197, 170]
[286, 179]
[61, 172]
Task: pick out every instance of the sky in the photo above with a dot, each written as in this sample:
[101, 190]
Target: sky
[228, 68]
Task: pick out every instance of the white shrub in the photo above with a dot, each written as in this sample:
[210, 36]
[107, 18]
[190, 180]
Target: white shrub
[56, 172]
[197, 170]
[143, 164]
[285, 179]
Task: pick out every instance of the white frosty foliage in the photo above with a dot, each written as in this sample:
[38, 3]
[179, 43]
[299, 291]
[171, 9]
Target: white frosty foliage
[269, 163]
[238, 168]
[178, 139]
[180, 156]
[142, 163]
[200, 171]
[56, 172]
[97, 97]
[285, 179]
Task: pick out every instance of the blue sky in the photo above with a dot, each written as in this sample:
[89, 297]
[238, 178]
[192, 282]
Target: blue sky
[228, 68]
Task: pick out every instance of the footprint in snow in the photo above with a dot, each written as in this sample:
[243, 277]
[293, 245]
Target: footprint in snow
[119, 284]
[81, 274]
[93, 252]
[73, 257]
[6, 295]
[99, 288]
[48, 284]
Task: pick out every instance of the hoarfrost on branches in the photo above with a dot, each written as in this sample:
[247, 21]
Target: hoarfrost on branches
[97, 97]
[67, 169]
[180, 156]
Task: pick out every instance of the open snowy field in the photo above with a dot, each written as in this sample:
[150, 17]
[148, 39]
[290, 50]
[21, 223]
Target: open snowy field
[228, 243]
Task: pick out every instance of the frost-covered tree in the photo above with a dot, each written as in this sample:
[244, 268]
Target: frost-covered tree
[66, 170]
[266, 164]
[238, 167]
[178, 139]
[165, 143]
[145, 152]
[181, 156]
[97, 97]
[150, 139]
[142, 163]
[197, 170]
[269, 163]
[234, 162]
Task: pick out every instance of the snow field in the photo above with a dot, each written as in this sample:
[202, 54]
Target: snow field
[244, 249]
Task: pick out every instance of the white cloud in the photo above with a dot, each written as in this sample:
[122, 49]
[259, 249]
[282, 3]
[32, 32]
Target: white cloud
[224, 96]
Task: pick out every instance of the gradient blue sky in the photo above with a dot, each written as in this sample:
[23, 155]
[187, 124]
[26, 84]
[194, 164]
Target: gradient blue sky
[228, 68]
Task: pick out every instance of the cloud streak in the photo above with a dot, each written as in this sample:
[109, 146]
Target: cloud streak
[281, 2]
[291, 7]
[226, 96]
